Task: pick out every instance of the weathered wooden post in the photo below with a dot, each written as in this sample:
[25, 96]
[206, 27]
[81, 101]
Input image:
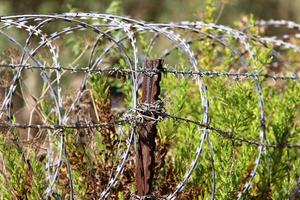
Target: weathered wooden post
[145, 155]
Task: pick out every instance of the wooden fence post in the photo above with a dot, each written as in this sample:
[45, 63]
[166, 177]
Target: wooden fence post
[145, 155]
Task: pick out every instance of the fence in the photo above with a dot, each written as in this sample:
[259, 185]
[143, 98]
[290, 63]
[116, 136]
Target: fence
[117, 37]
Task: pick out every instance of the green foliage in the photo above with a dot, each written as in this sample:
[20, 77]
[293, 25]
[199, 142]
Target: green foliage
[100, 88]
[115, 7]
[20, 177]
[210, 10]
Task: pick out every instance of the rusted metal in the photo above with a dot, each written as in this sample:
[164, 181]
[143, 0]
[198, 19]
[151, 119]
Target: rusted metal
[145, 155]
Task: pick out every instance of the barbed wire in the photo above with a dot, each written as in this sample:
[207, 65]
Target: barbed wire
[140, 121]
[115, 71]
[106, 26]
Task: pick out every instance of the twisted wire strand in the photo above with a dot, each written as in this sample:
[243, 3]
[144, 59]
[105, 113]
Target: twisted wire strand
[168, 70]
[128, 118]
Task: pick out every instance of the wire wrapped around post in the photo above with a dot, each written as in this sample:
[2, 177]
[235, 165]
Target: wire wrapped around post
[145, 155]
